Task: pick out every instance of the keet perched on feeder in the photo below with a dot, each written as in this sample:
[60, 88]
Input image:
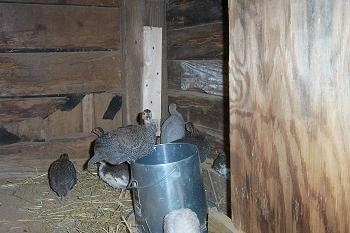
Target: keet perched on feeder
[124, 144]
[173, 128]
[62, 175]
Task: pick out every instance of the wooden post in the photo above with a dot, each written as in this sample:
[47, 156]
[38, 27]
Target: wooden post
[133, 17]
[152, 73]
[289, 115]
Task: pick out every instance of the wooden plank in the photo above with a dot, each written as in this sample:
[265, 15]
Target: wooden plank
[101, 103]
[57, 125]
[35, 26]
[201, 109]
[62, 123]
[105, 3]
[88, 113]
[195, 43]
[151, 86]
[289, 115]
[28, 158]
[184, 13]
[58, 73]
[12, 110]
[209, 76]
[133, 14]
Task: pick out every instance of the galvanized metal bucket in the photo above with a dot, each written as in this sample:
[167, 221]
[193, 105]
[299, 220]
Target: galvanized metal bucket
[168, 178]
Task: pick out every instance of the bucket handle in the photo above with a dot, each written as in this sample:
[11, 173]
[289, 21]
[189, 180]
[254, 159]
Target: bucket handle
[134, 184]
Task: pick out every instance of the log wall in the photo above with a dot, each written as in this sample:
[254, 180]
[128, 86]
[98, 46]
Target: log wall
[60, 72]
[197, 57]
[289, 115]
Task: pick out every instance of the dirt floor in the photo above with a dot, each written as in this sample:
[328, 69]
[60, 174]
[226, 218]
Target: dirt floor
[29, 205]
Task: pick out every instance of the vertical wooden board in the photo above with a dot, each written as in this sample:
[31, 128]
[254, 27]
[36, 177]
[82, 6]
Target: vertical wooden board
[289, 114]
[133, 14]
[151, 86]
[35, 26]
[88, 118]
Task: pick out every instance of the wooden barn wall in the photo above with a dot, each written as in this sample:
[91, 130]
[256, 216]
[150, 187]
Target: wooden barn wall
[289, 115]
[60, 71]
[197, 57]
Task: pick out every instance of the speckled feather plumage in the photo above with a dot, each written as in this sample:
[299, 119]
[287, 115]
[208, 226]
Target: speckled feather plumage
[125, 144]
[117, 176]
[197, 138]
[62, 175]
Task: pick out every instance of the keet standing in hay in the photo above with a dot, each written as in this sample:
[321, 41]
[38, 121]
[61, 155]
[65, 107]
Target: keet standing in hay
[117, 176]
[62, 175]
[125, 144]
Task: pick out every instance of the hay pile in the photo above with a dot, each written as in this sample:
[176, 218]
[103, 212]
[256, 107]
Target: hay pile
[92, 206]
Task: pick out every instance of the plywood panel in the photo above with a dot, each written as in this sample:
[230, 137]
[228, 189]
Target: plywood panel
[12, 110]
[106, 3]
[209, 76]
[199, 42]
[289, 115]
[24, 74]
[33, 26]
[194, 12]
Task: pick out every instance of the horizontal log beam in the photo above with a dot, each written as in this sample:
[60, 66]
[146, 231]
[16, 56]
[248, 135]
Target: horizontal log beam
[26, 158]
[198, 42]
[12, 110]
[194, 12]
[58, 73]
[105, 3]
[201, 109]
[209, 76]
[35, 26]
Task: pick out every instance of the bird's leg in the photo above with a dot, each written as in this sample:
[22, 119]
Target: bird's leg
[122, 194]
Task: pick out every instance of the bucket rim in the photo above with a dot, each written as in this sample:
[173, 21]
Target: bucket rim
[195, 150]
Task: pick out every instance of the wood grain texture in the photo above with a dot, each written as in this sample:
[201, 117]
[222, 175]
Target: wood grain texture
[133, 17]
[289, 115]
[23, 74]
[28, 158]
[12, 110]
[59, 123]
[193, 12]
[105, 3]
[35, 26]
[201, 109]
[220, 223]
[199, 42]
[208, 76]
